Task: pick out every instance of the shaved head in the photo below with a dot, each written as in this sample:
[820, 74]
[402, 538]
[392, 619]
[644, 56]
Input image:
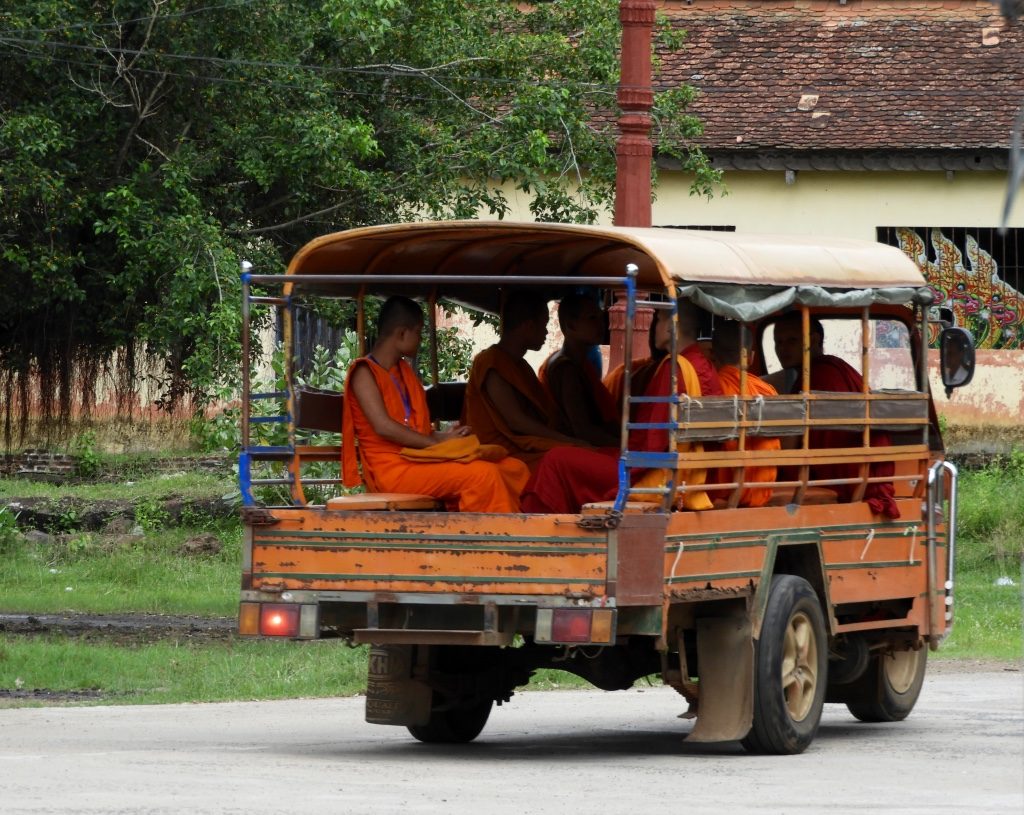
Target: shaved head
[398, 312]
[523, 307]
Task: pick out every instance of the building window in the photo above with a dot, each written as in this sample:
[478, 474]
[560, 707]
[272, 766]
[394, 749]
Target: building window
[976, 275]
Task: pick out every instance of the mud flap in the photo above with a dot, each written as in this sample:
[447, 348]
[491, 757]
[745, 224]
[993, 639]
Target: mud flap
[725, 657]
[392, 695]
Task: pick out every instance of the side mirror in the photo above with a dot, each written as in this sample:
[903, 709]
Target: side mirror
[956, 358]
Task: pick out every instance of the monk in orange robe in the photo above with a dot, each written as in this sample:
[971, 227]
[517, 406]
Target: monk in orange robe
[641, 372]
[691, 351]
[725, 350]
[585, 407]
[564, 482]
[506, 404]
[386, 428]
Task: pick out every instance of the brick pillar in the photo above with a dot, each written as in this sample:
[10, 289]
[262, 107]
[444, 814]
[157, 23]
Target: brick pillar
[633, 153]
[633, 150]
[617, 324]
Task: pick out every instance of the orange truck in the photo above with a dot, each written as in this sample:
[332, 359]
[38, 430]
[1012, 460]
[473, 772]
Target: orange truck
[757, 616]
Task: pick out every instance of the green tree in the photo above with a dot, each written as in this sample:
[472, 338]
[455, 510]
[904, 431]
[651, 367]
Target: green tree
[148, 145]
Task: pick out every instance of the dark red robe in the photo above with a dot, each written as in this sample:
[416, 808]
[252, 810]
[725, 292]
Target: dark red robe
[710, 384]
[829, 373]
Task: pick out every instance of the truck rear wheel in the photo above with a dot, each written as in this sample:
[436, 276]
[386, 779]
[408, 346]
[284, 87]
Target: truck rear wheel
[889, 688]
[453, 726]
[790, 668]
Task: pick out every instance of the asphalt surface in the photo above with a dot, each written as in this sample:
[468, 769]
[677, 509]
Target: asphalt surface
[961, 751]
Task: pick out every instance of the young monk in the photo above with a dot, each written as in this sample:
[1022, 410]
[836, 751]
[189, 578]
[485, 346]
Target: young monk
[568, 479]
[641, 372]
[385, 410]
[505, 402]
[725, 352]
[585, 406]
[690, 350]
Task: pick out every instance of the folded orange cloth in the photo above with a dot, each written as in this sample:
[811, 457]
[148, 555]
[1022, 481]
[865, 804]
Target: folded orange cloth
[463, 449]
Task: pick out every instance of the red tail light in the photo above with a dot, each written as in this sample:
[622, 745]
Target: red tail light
[279, 620]
[571, 625]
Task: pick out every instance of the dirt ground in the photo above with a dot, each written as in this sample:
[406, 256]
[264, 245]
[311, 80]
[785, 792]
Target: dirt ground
[110, 629]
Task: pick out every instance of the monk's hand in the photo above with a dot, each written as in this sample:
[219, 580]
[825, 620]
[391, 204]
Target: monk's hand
[454, 432]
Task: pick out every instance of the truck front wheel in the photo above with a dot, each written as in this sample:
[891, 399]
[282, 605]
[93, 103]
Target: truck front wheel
[456, 725]
[889, 688]
[790, 666]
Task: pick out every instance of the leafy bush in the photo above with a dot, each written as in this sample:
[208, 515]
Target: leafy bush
[9, 534]
[87, 460]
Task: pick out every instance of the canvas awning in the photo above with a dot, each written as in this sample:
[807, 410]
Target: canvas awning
[782, 269]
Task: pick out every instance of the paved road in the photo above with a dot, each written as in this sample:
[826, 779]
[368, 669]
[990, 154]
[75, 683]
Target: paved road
[962, 751]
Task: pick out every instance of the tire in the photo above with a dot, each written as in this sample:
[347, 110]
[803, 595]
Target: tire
[889, 688]
[790, 670]
[454, 726]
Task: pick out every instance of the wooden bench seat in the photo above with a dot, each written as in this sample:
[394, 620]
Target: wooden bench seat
[631, 507]
[384, 501]
[813, 496]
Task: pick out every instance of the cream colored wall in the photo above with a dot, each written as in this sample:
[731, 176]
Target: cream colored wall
[848, 204]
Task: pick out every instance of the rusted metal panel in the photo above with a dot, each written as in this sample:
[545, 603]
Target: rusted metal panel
[637, 550]
[715, 554]
[429, 552]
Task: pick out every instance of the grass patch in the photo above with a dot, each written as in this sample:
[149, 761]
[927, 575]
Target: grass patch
[167, 485]
[168, 672]
[987, 618]
[86, 572]
[991, 517]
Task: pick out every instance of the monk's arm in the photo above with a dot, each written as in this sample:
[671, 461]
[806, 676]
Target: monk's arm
[506, 399]
[366, 392]
[572, 393]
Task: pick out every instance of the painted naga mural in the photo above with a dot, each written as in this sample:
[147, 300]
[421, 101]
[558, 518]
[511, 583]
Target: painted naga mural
[968, 281]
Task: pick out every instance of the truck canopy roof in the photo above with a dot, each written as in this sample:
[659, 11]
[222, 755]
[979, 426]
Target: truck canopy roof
[719, 269]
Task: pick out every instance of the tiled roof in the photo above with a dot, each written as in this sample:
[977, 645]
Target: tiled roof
[874, 75]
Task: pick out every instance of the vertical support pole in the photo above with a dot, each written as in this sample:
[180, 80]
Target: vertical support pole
[743, 409]
[673, 406]
[864, 470]
[295, 464]
[627, 384]
[246, 342]
[922, 365]
[244, 461]
[627, 373]
[361, 320]
[805, 390]
[432, 323]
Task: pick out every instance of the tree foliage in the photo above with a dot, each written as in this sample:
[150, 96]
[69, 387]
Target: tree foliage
[146, 146]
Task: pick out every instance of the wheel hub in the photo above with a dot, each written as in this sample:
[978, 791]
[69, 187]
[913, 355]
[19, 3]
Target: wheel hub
[900, 669]
[799, 666]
